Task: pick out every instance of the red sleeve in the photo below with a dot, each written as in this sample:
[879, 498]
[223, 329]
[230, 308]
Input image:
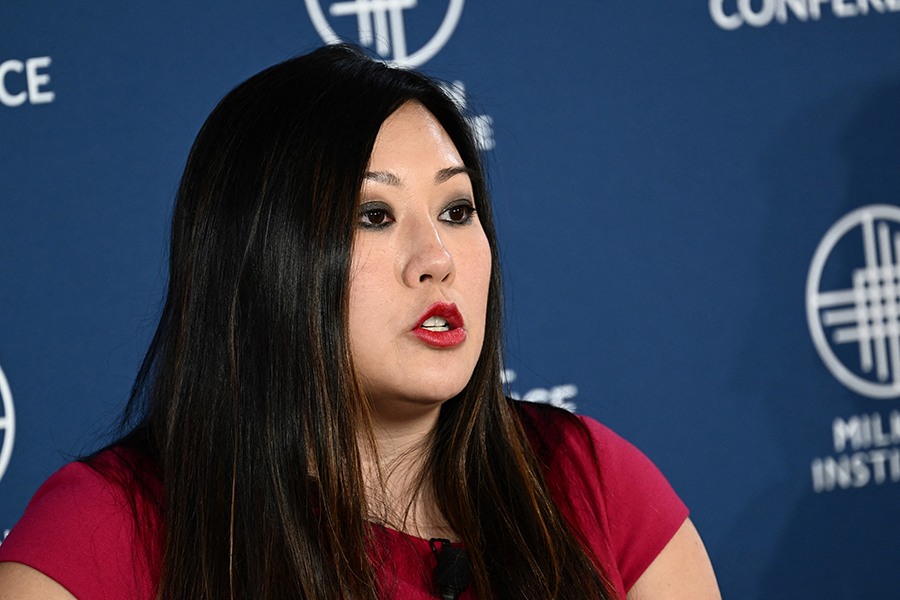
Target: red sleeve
[79, 531]
[641, 509]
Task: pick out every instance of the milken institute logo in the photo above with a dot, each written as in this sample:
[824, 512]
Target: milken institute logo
[865, 315]
[380, 22]
[7, 424]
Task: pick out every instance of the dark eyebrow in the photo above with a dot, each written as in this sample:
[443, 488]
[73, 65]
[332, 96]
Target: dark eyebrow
[383, 177]
[445, 174]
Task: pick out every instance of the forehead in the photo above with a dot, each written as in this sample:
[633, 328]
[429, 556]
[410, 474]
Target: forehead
[412, 133]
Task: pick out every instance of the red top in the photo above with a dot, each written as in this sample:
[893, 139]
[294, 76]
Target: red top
[78, 529]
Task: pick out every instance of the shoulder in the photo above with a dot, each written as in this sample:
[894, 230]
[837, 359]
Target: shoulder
[607, 488]
[80, 529]
[562, 439]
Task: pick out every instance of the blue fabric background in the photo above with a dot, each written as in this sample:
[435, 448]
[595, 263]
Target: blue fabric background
[662, 184]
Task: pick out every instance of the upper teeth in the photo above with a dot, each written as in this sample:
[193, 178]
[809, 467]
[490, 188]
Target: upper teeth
[436, 324]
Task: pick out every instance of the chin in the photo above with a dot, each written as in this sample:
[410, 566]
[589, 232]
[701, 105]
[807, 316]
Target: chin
[427, 396]
[437, 395]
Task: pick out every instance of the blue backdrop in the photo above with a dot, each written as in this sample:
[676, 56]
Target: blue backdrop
[665, 175]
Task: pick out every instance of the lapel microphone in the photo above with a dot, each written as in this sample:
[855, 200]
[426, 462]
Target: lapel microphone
[452, 574]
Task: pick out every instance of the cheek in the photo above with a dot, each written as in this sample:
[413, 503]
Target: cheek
[370, 274]
[365, 300]
[480, 267]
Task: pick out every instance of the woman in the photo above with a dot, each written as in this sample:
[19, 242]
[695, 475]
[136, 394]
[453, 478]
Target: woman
[320, 413]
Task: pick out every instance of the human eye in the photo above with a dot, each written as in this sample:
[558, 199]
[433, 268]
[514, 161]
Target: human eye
[458, 213]
[374, 215]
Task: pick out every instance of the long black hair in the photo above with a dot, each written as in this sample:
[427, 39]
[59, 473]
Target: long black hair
[247, 404]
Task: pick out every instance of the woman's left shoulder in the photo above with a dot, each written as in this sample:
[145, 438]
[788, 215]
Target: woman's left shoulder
[559, 435]
[605, 485]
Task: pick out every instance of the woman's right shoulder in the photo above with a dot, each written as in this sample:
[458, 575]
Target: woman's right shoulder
[81, 529]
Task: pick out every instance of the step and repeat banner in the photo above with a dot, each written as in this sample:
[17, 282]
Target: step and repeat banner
[699, 209]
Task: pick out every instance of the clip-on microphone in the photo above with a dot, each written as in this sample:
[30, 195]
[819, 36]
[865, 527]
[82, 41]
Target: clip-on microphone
[452, 574]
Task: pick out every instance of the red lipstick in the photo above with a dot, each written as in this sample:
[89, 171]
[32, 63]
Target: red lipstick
[441, 326]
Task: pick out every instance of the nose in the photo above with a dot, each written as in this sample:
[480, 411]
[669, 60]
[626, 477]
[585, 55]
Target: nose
[428, 260]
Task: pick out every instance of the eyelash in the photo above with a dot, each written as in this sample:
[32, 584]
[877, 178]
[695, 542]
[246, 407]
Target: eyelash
[376, 209]
[464, 205]
[375, 215]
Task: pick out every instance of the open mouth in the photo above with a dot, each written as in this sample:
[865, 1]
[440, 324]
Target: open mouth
[441, 326]
[436, 324]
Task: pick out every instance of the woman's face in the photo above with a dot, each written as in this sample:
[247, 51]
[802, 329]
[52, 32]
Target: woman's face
[421, 267]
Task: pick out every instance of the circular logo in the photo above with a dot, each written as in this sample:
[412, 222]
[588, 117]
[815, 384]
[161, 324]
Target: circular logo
[7, 424]
[853, 300]
[381, 22]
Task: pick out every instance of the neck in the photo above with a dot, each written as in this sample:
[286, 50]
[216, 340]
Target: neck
[393, 470]
[397, 434]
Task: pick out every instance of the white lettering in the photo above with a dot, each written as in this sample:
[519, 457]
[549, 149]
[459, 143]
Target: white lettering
[798, 7]
[864, 6]
[818, 475]
[880, 438]
[865, 431]
[858, 470]
[727, 22]
[757, 19]
[483, 128]
[5, 533]
[482, 125]
[5, 97]
[34, 81]
[859, 466]
[779, 10]
[559, 395]
[847, 431]
[838, 472]
[843, 10]
[878, 458]
[829, 473]
[815, 12]
[37, 80]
